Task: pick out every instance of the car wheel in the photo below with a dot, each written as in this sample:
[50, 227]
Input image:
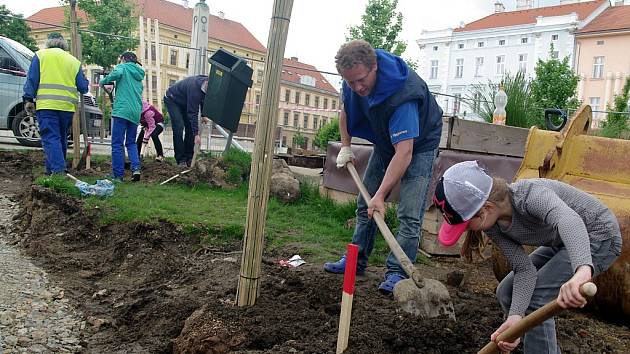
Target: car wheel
[26, 130]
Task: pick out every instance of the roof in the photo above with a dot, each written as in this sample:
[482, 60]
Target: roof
[292, 70]
[614, 18]
[523, 17]
[171, 14]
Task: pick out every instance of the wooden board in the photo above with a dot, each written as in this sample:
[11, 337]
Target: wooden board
[486, 138]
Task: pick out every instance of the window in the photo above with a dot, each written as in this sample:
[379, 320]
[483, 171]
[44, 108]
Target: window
[434, 69]
[173, 58]
[325, 103]
[554, 54]
[257, 99]
[284, 140]
[171, 82]
[8, 65]
[307, 99]
[476, 102]
[522, 63]
[435, 48]
[478, 66]
[296, 119]
[500, 64]
[187, 60]
[287, 95]
[594, 102]
[297, 97]
[152, 51]
[458, 98]
[460, 46]
[305, 125]
[600, 42]
[154, 82]
[501, 41]
[259, 76]
[315, 119]
[598, 67]
[554, 37]
[481, 44]
[524, 40]
[334, 104]
[316, 101]
[459, 68]
[286, 121]
[324, 121]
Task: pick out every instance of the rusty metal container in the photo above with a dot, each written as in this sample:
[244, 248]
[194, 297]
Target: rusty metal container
[599, 166]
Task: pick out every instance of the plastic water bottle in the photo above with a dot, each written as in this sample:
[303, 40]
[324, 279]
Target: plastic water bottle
[500, 101]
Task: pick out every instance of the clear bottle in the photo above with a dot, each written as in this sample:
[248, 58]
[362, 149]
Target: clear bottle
[500, 101]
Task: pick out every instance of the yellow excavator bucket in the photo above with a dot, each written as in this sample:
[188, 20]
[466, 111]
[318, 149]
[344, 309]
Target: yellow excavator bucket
[599, 166]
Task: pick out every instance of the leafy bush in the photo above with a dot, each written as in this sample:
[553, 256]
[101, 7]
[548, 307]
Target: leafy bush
[328, 132]
[616, 124]
[520, 109]
[234, 174]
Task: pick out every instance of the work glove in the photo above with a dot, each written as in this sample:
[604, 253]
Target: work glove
[345, 155]
[29, 107]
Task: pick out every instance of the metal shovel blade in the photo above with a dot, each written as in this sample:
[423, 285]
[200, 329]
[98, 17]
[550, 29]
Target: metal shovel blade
[430, 301]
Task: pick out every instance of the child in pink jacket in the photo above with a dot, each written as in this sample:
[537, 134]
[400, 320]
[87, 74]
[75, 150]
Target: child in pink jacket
[152, 123]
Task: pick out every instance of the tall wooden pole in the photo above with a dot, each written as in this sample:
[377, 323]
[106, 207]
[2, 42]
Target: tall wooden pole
[76, 128]
[249, 279]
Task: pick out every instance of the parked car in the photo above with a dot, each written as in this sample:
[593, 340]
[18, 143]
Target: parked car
[15, 60]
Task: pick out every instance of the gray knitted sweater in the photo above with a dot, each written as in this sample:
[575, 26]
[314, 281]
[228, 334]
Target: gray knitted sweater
[549, 213]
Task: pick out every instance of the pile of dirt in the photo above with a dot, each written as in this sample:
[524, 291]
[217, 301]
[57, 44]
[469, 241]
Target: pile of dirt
[150, 288]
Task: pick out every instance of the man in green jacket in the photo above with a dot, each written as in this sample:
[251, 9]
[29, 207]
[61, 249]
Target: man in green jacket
[128, 76]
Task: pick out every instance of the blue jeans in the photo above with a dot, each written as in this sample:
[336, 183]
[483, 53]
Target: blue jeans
[414, 186]
[183, 138]
[53, 129]
[124, 134]
[554, 269]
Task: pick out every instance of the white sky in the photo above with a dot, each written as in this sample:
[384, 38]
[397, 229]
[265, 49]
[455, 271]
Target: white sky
[318, 27]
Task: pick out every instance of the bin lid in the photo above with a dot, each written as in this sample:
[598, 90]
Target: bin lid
[234, 65]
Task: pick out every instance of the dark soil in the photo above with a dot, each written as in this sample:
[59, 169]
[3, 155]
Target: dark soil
[150, 289]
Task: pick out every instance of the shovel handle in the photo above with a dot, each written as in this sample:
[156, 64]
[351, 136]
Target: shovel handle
[398, 252]
[533, 319]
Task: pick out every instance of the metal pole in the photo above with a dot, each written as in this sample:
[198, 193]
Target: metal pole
[76, 128]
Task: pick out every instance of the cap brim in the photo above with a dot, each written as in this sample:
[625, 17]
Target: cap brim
[450, 234]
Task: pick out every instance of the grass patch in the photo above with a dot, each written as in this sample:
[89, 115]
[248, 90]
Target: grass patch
[313, 226]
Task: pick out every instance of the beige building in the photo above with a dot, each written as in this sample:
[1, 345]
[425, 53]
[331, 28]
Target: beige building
[602, 59]
[307, 101]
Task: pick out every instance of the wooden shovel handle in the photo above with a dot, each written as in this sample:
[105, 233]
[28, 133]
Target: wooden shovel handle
[398, 252]
[533, 319]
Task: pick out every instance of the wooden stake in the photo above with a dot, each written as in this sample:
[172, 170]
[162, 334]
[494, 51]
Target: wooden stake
[346, 297]
[260, 177]
[76, 125]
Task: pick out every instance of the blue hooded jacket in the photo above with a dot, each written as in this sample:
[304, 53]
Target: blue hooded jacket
[400, 107]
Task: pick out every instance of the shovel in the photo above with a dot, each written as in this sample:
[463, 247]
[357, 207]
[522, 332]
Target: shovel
[426, 298]
[532, 320]
[192, 165]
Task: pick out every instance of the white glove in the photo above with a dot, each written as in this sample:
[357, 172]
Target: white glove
[345, 155]
[144, 150]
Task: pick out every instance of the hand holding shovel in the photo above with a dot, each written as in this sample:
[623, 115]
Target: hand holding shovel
[532, 320]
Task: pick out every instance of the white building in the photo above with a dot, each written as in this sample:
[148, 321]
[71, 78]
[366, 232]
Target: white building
[452, 60]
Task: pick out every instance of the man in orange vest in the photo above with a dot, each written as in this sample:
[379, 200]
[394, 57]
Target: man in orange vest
[54, 80]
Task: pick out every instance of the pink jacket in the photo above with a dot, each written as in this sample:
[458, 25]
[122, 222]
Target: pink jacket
[149, 117]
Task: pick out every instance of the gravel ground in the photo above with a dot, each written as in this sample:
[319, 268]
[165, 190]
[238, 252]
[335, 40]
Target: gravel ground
[35, 317]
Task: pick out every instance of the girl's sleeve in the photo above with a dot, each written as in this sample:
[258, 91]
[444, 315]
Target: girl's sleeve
[148, 116]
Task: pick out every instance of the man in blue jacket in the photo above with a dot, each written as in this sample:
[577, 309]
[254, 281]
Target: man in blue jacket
[54, 80]
[184, 100]
[388, 104]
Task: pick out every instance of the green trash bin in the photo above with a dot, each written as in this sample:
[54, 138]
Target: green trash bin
[228, 81]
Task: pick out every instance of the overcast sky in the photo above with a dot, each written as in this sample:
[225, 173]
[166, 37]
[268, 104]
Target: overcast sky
[318, 27]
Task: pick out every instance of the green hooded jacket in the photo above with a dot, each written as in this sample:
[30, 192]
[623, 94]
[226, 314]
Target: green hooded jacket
[128, 101]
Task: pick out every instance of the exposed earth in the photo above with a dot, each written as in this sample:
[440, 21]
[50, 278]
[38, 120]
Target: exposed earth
[149, 289]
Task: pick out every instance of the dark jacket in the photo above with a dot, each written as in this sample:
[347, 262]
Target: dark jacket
[187, 95]
[369, 117]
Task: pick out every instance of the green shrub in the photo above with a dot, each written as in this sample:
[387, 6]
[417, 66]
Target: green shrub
[241, 159]
[234, 174]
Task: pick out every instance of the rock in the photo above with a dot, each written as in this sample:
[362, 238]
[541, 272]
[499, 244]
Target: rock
[95, 322]
[285, 187]
[10, 341]
[455, 278]
[5, 318]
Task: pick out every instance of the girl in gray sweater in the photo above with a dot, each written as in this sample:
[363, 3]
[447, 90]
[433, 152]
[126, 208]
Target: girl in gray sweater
[579, 238]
